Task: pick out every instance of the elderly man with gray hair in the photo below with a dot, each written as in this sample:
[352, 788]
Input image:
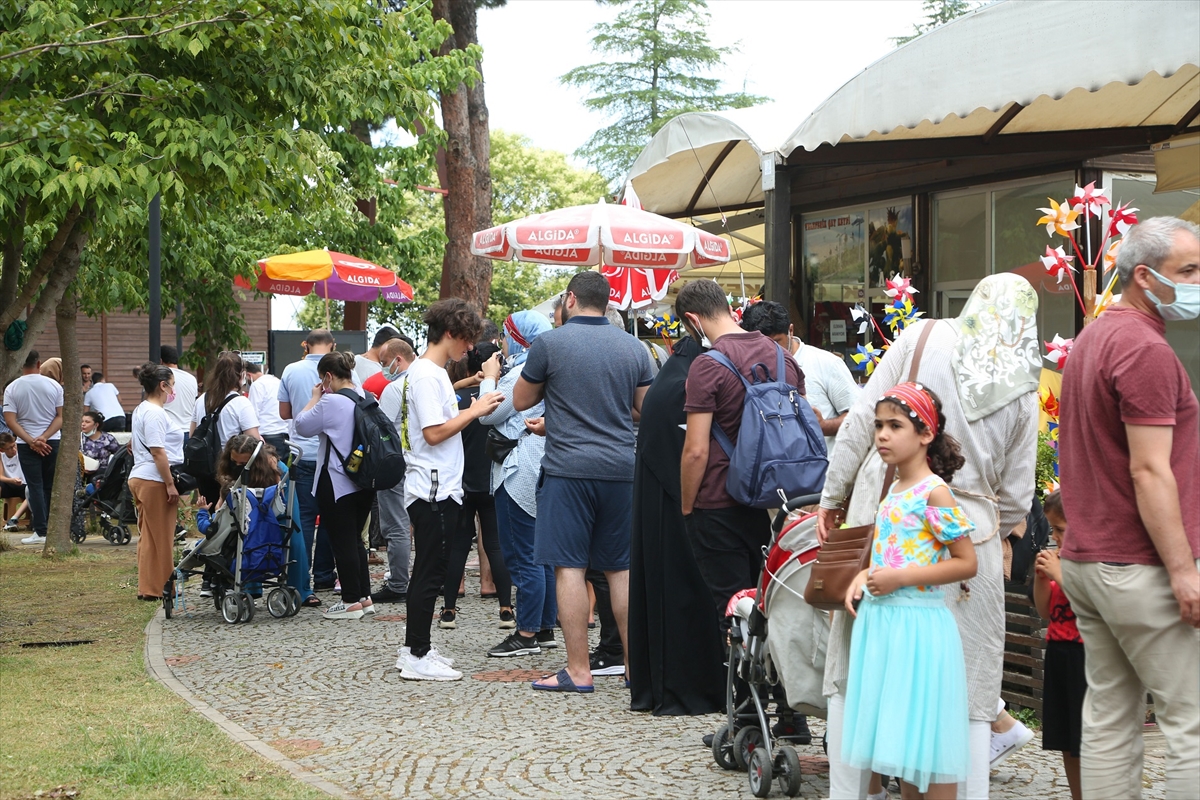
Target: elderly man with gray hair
[1130, 464]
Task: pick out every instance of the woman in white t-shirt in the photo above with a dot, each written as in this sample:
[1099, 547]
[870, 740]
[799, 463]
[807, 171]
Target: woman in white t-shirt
[156, 444]
[237, 415]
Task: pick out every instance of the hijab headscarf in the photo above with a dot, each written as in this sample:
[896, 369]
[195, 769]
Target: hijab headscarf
[521, 328]
[52, 368]
[997, 358]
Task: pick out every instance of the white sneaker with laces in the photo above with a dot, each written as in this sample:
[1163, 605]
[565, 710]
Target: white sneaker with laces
[428, 668]
[340, 610]
[11, 525]
[35, 539]
[1007, 743]
[406, 653]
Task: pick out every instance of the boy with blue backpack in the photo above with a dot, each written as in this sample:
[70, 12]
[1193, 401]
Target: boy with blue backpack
[750, 434]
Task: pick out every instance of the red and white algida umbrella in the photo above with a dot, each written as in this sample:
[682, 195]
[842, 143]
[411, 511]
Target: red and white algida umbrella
[613, 237]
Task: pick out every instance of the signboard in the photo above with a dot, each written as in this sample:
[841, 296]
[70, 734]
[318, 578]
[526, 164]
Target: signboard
[837, 331]
[254, 356]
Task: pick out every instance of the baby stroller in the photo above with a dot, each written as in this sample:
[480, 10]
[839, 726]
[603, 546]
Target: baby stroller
[104, 494]
[245, 549]
[776, 639]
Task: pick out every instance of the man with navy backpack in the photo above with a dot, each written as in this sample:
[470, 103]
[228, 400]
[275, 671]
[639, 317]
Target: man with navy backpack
[727, 537]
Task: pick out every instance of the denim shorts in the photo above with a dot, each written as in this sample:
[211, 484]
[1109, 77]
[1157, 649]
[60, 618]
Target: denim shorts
[583, 523]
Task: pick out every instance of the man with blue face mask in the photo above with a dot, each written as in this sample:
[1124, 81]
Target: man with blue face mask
[394, 524]
[1130, 463]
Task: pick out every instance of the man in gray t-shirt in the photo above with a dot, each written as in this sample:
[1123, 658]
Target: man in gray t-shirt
[592, 377]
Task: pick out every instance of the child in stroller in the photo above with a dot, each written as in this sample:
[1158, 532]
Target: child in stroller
[776, 641]
[102, 491]
[251, 536]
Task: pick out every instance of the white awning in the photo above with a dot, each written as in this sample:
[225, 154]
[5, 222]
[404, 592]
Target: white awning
[710, 160]
[1067, 65]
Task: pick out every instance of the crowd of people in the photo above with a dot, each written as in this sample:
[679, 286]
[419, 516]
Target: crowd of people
[586, 464]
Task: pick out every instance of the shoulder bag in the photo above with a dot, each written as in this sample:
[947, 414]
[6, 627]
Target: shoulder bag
[847, 551]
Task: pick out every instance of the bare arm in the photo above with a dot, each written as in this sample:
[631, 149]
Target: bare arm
[830, 427]
[164, 470]
[10, 419]
[638, 395]
[526, 395]
[285, 410]
[55, 425]
[480, 406]
[695, 458]
[1041, 594]
[1158, 505]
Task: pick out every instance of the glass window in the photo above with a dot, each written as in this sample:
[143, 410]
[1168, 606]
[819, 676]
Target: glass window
[1138, 191]
[960, 238]
[1016, 240]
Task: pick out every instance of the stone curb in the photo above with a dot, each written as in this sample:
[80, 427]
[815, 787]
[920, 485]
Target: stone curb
[156, 667]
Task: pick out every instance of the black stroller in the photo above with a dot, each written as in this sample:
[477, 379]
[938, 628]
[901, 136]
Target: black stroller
[245, 549]
[105, 496]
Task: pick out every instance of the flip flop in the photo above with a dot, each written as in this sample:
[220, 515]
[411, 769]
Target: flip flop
[565, 684]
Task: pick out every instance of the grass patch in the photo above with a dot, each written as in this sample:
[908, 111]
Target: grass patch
[88, 718]
[1027, 717]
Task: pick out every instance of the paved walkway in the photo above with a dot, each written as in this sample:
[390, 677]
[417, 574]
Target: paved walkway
[327, 696]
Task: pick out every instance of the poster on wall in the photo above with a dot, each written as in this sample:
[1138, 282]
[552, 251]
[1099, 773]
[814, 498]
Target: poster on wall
[890, 237]
[833, 251]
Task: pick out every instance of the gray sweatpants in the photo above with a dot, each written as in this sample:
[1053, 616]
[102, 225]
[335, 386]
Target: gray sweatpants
[397, 530]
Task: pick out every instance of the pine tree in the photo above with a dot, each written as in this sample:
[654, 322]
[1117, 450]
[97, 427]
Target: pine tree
[655, 53]
[937, 13]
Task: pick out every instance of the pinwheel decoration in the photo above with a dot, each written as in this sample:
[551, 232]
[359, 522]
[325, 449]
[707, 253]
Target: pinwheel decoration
[667, 326]
[866, 358]
[900, 288]
[1060, 218]
[1057, 351]
[900, 314]
[861, 317]
[1049, 403]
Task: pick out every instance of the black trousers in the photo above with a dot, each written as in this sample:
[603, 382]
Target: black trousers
[113, 424]
[344, 519]
[459, 547]
[610, 634]
[279, 442]
[432, 525]
[727, 543]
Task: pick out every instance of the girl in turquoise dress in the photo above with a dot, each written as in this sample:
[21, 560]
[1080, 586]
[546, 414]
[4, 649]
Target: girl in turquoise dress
[906, 691]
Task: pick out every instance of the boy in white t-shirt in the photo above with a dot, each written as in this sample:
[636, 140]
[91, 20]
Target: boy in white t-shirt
[430, 427]
[12, 480]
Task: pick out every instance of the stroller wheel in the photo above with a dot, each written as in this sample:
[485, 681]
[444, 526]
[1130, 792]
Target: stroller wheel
[748, 740]
[722, 748]
[279, 602]
[760, 772]
[787, 769]
[169, 599]
[231, 608]
[294, 597]
[123, 534]
[247, 607]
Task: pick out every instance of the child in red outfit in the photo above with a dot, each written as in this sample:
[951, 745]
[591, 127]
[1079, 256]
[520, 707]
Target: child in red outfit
[1065, 681]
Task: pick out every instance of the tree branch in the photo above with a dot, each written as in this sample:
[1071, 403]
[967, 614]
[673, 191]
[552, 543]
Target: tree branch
[12, 310]
[130, 37]
[14, 247]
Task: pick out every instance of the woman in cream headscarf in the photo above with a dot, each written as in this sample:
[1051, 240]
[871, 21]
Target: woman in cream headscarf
[985, 366]
[52, 368]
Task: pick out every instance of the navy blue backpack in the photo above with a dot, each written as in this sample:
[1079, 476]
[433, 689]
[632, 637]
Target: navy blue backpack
[780, 451]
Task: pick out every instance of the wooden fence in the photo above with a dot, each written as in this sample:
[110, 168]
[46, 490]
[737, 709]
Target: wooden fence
[1024, 653]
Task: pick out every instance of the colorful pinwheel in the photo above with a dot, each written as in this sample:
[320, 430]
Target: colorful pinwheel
[1089, 199]
[861, 317]
[866, 358]
[900, 288]
[1121, 220]
[1049, 403]
[1058, 263]
[1057, 351]
[900, 315]
[1058, 218]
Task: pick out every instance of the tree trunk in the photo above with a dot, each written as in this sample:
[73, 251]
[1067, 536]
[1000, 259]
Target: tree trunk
[465, 34]
[58, 530]
[57, 267]
[463, 275]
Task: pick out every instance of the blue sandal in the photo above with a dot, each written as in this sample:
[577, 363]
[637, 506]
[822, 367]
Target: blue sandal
[565, 684]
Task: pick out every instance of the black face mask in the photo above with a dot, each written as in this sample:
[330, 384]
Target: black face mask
[236, 470]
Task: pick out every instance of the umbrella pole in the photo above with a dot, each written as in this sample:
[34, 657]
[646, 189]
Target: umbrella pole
[327, 325]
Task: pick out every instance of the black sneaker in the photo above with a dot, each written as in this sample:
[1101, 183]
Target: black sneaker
[515, 645]
[795, 730]
[605, 664]
[446, 620]
[386, 594]
[206, 589]
[507, 618]
[545, 639]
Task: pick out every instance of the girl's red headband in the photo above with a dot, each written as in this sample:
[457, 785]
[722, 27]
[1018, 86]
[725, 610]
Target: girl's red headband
[510, 328]
[918, 402]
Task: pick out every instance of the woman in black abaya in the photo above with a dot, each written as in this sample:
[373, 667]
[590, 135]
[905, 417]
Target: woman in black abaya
[675, 654]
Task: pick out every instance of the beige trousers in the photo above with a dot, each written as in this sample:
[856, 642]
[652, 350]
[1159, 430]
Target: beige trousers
[156, 524]
[1134, 638]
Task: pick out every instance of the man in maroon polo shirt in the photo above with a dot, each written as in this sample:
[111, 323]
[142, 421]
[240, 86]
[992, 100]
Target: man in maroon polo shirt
[1130, 449]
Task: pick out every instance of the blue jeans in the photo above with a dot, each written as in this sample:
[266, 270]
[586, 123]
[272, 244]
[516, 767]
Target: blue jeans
[39, 480]
[304, 473]
[297, 572]
[537, 606]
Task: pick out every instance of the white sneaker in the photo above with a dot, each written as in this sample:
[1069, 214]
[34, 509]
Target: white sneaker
[406, 653]
[340, 610]
[368, 607]
[1007, 743]
[428, 668]
[11, 525]
[35, 539]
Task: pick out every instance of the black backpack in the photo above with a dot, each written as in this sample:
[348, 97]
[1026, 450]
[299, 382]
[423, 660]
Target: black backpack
[202, 450]
[382, 465]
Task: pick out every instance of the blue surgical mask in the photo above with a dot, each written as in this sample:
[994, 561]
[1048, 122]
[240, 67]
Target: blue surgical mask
[390, 374]
[1187, 300]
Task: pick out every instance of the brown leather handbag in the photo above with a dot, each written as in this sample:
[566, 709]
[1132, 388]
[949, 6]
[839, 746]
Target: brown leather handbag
[847, 551]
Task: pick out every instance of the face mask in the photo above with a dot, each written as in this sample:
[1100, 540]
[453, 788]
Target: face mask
[390, 374]
[236, 470]
[171, 396]
[704, 342]
[1187, 300]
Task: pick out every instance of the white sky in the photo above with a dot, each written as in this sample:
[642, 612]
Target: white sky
[795, 52]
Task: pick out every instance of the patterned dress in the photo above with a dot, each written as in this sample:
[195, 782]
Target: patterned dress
[906, 689]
